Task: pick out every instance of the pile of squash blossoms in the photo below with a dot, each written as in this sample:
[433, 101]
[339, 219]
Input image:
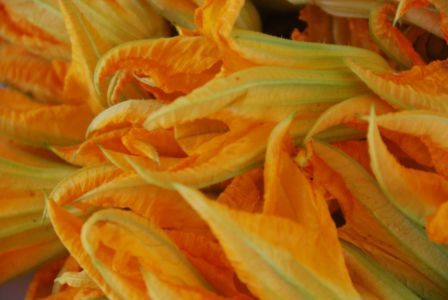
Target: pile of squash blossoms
[169, 149]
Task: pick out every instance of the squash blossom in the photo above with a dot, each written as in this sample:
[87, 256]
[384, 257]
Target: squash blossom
[224, 149]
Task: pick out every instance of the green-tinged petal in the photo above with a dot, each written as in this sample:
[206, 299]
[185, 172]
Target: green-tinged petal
[87, 47]
[68, 228]
[179, 12]
[264, 244]
[372, 220]
[430, 125]
[416, 193]
[259, 88]
[128, 233]
[43, 14]
[82, 181]
[123, 20]
[369, 276]
[348, 111]
[18, 30]
[75, 279]
[264, 49]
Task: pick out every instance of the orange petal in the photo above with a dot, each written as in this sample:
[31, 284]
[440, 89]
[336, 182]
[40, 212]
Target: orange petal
[357, 150]
[68, 228]
[87, 47]
[82, 181]
[243, 193]
[89, 152]
[191, 135]
[165, 289]
[240, 156]
[348, 111]
[207, 256]
[371, 220]
[19, 261]
[287, 190]
[41, 78]
[43, 125]
[164, 207]
[23, 33]
[177, 64]
[122, 87]
[125, 114]
[319, 24]
[133, 236]
[263, 243]
[415, 193]
[161, 139]
[421, 87]
[390, 39]
[42, 282]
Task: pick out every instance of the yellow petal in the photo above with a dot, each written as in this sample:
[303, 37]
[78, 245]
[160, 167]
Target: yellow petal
[42, 281]
[43, 14]
[208, 258]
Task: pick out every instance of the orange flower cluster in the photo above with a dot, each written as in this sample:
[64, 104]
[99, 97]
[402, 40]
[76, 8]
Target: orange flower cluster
[169, 149]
